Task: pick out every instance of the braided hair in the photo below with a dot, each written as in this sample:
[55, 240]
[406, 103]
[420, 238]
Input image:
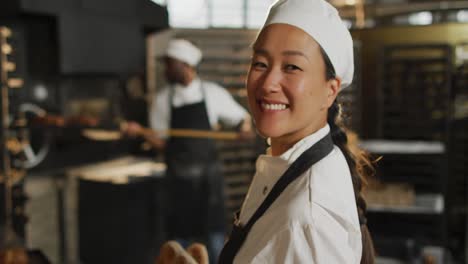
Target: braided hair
[358, 161]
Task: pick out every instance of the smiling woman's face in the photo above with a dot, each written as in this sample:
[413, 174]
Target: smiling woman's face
[288, 93]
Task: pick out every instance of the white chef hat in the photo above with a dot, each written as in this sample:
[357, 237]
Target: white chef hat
[321, 21]
[184, 51]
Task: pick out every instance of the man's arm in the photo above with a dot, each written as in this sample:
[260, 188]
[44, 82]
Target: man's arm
[245, 128]
[229, 111]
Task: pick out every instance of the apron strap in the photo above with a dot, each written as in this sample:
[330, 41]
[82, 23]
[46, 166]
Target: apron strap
[172, 88]
[239, 233]
[171, 99]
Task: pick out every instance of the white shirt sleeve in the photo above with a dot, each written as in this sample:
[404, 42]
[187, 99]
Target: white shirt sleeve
[323, 242]
[159, 115]
[221, 106]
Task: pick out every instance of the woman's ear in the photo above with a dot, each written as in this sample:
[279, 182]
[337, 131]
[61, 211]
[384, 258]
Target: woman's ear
[333, 87]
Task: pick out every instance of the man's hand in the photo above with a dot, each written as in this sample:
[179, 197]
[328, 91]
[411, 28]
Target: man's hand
[246, 132]
[132, 129]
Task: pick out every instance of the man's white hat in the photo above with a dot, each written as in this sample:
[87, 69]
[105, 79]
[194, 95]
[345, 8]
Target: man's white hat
[184, 51]
[321, 21]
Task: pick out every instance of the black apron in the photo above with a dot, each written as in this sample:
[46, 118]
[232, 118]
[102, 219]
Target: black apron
[195, 182]
[239, 233]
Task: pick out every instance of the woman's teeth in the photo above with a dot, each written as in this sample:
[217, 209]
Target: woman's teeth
[274, 106]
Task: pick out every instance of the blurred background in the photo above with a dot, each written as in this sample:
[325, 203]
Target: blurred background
[68, 65]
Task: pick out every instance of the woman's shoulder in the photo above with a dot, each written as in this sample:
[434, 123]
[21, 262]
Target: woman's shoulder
[332, 191]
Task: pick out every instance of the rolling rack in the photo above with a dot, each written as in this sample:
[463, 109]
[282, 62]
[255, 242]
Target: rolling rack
[16, 154]
[13, 139]
[458, 157]
[414, 96]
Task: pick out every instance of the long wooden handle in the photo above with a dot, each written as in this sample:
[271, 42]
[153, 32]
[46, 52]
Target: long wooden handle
[203, 134]
[106, 135]
[193, 133]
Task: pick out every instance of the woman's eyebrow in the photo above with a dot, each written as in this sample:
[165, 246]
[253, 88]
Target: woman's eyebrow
[260, 51]
[294, 53]
[284, 53]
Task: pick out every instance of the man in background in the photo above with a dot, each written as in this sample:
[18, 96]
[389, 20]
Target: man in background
[195, 181]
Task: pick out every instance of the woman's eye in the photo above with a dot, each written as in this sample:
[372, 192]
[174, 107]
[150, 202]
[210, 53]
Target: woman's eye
[258, 65]
[292, 67]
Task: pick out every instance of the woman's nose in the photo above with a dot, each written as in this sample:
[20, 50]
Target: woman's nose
[271, 81]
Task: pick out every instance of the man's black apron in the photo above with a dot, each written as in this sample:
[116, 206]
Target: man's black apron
[195, 182]
[239, 233]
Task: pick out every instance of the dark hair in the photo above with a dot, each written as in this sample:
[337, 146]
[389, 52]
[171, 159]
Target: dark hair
[358, 161]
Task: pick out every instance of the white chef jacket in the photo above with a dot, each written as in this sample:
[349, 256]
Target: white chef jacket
[220, 105]
[314, 220]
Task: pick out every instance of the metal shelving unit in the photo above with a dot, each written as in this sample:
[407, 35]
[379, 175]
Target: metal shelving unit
[415, 92]
[458, 161]
[415, 112]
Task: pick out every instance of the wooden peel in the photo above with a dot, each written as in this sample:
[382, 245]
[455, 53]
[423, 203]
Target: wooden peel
[101, 134]
[109, 135]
